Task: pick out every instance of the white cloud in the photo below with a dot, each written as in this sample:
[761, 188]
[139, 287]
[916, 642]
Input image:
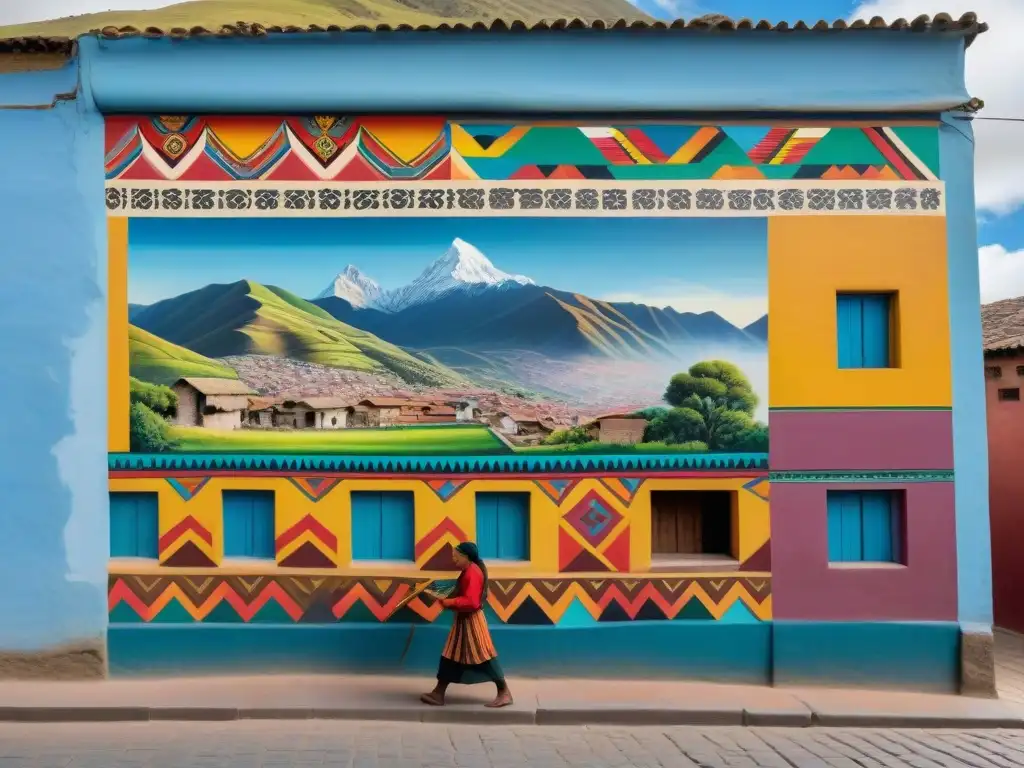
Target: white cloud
[995, 73]
[1002, 273]
[737, 309]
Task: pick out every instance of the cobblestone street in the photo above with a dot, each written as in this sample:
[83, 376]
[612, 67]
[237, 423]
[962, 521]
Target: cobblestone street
[262, 744]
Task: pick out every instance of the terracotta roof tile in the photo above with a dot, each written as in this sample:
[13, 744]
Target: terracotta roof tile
[966, 26]
[1002, 324]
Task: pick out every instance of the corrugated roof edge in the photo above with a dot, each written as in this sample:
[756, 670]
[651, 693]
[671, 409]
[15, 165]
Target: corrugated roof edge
[966, 26]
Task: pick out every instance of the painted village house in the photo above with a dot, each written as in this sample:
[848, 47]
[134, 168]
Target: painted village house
[211, 403]
[856, 549]
[1003, 328]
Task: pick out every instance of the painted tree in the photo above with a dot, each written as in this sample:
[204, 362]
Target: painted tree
[714, 403]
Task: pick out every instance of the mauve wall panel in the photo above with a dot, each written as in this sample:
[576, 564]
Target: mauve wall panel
[861, 440]
[805, 587]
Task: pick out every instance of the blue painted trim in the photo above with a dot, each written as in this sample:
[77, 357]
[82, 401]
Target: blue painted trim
[567, 72]
[739, 653]
[907, 655]
[256, 462]
[40, 88]
[970, 438]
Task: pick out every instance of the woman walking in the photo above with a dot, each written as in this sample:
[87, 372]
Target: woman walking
[469, 656]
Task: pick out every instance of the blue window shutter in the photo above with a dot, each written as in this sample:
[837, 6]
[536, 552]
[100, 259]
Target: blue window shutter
[147, 531]
[514, 526]
[851, 524]
[877, 526]
[849, 323]
[262, 528]
[487, 524]
[237, 511]
[397, 526]
[366, 525]
[835, 527]
[876, 317]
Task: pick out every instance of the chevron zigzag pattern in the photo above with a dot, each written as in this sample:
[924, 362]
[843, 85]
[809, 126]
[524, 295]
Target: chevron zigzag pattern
[369, 148]
[307, 544]
[544, 601]
[433, 552]
[189, 544]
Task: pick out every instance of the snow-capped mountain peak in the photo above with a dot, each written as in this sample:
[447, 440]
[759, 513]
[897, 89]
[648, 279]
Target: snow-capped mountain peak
[463, 268]
[354, 287]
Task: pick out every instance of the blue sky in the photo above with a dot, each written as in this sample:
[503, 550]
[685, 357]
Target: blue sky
[995, 73]
[692, 264]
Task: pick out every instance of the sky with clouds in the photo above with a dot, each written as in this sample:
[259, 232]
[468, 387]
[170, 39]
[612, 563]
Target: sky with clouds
[995, 73]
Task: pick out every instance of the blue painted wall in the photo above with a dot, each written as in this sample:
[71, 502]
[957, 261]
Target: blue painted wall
[558, 72]
[970, 437]
[54, 537]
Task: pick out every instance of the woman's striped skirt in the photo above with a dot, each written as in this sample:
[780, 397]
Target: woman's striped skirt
[469, 655]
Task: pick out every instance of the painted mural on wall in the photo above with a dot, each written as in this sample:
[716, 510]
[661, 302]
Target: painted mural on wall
[448, 335]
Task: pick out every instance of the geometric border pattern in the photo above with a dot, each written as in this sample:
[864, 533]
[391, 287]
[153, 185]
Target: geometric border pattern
[867, 476]
[187, 598]
[270, 464]
[650, 199]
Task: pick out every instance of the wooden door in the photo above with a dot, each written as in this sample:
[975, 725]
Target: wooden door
[675, 524]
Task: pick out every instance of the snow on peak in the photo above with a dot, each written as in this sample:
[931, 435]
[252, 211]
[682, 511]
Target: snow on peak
[354, 287]
[463, 268]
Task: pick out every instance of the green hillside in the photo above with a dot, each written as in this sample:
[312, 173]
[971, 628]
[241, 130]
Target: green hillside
[303, 13]
[249, 318]
[160, 362]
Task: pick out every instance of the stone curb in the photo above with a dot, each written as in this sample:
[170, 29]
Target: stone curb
[452, 715]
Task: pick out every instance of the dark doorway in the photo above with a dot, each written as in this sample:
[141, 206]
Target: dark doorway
[310, 418]
[691, 525]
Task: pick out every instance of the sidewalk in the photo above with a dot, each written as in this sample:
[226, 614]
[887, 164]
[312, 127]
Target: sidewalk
[543, 702]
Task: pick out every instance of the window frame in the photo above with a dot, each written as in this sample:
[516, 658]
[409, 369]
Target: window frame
[137, 534]
[838, 517]
[236, 493]
[851, 309]
[527, 511]
[408, 554]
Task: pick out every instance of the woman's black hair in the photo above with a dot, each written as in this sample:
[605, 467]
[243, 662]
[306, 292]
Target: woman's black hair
[472, 553]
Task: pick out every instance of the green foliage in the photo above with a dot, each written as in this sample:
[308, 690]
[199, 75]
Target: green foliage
[156, 397]
[149, 432]
[650, 414]
[714, 405]
[719, 380]
[572, 436]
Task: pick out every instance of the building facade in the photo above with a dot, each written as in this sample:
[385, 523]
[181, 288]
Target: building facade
[1003, 327]
[802, 504]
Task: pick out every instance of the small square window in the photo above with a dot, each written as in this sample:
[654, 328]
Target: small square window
[249, 524]
[503, 525]
[1010, 394]
[864, 327]
[383, 525]
[865, 526]
[1020, 370]
[995, 372]
[134, 525]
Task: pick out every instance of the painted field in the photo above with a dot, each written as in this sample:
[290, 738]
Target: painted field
[391, 440]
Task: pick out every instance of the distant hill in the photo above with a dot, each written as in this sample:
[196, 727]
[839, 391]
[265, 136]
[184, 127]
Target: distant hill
[249, 318]
[302, 13]
[544, 320]
[158, 361]
[758, 329]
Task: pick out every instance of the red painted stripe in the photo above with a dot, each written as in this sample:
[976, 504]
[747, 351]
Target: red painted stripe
[613, 151]
[446, 526]
[651, 150]
[186, 525]
[890, 154]
[314, 526]
[769, 145]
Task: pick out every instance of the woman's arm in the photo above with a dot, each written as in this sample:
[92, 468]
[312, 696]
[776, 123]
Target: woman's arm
[471, 598]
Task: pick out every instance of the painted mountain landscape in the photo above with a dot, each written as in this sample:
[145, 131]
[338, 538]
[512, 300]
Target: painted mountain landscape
[451, 336]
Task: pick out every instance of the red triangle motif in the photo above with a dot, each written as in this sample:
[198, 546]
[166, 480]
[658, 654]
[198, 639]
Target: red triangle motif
[440, 560]
[205, 169]
[291, 168]
[358, 170]
[585, 562]
[528, 173]
[141, 170]
[617, 553]
[568, 549]
[188, 555]
[760, 560]
[307, 556]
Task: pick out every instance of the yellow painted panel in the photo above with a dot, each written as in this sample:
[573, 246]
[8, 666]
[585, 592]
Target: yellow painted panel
[751, 528]
[810, 258]
[117, 335]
